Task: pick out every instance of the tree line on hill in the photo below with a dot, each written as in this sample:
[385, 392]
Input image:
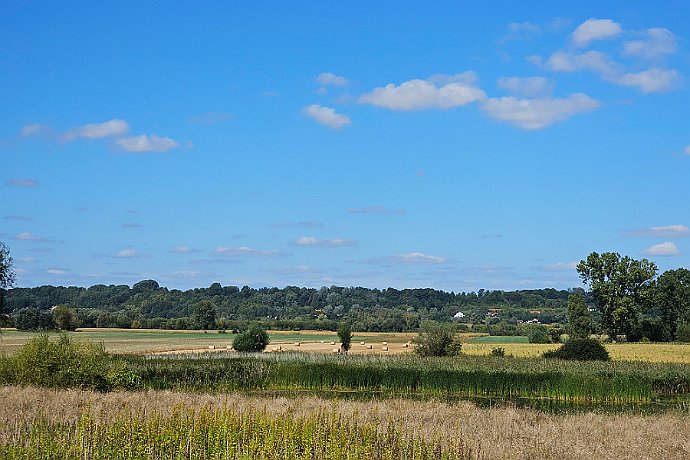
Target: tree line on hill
[626, 300]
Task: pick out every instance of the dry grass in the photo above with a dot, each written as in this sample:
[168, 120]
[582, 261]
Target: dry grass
[496, 433]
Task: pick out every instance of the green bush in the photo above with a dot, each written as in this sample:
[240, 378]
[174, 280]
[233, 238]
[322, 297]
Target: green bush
[539, 334]
[580, 350]
[254, 339]
[436, 339]
[62, 363]
[498, 351]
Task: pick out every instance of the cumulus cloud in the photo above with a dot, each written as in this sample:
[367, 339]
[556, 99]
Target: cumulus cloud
[184, 250]
[651, 81]
[127, 253]
[327, 78]
[34, 129]
[326, 116]
[144, 143]
[595, 29]
[115, 127]
[655, 80]
[533, 114]
[22, 183]
[667, 248]
[663, 231]
[375, 210]
[245, 251]
[436, 92]
[526, 87]
[658, 42]
[325, 243]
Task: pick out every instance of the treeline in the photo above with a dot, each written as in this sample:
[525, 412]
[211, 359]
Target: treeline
[148, 305]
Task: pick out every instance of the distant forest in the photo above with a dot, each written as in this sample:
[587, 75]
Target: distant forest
[148, 305]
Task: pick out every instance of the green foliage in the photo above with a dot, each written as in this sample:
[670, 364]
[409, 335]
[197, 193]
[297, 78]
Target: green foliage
[436, 339]
[672, 297]
[579, 318]
[580, 350]
[254, 339]
[65, 318]
[33, 319]
[683, 334]
[7, 276]
[498, 351]
[345, 335]
[60, 363]
[620, 286]
[203, 315]
[538, 334]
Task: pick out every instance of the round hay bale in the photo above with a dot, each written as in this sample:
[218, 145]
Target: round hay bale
[385, 348]
[211, 347]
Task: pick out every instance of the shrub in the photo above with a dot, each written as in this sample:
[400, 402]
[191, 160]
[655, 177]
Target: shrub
[254, 339]
[498, 351]
[436, 339]
[62, 363]
[539, 334]
[580, 350]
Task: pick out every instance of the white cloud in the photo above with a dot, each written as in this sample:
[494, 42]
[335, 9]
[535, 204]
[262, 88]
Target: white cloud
[144, 143]
[664, 231]
[34, 129]
[651, 81]
[327, 78]
[595, 29]
[561, 266]
[27, 260]
[327, 116]
[115, 127]
[436, 92]
[526, 87]
[662, 249]
[326, 243]
[57, 271]
[659, 41]
[410, 258]
[127, 253]
[246, 251]
[185, 274]
[538, 113]
[28, 236]
[22, 183]
[185, 250]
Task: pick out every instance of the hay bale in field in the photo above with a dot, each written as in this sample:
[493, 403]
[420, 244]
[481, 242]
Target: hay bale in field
[332, 343]
[323, 341]
[384, 343]
[211, 347]
[362, 343]
[385, 348]
[336, 350]
[369, 347]
[297, 344]
[405, 345]
[228, 347]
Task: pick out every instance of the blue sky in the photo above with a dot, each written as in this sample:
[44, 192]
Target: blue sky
[454, 145]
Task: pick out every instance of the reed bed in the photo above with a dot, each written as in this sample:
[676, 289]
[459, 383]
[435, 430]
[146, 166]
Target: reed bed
[504, 378]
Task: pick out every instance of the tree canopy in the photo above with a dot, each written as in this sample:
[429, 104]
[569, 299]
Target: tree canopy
[619, 285]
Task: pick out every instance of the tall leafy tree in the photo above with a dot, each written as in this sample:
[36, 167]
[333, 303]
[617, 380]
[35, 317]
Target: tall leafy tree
[6, 275]
[204, 315]
[345, 335]
[672, 296]
[579, 318]
[619, 285]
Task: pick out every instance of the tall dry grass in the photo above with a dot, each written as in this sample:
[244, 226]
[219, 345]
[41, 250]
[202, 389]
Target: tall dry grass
[494, 433]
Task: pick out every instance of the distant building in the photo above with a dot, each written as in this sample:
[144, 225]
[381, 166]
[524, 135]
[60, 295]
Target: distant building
[459, 315]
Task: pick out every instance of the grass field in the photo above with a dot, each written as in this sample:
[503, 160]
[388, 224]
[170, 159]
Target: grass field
[135, 424]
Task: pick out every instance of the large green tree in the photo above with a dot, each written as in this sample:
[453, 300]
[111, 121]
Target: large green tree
[579, 318]
[6, 276]
[672, 297]
[619, 285]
